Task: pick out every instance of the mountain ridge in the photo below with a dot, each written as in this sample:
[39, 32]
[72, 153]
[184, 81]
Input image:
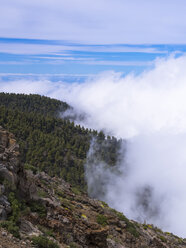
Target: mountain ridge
[49, 143]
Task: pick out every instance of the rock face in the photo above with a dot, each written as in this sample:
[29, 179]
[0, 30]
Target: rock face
[9, 157]
[69, 218]
[9, 169]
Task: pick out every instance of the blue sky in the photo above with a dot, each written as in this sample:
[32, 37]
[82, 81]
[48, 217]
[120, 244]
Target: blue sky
[75, 39]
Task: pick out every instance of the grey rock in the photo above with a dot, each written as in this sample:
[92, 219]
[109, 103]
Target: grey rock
[5, 207]
[4, 233]
[4, 201]
[3, 214]
[28, 228]
[2, 189]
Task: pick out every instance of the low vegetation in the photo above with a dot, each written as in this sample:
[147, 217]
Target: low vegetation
[44, 242]
[102, 220]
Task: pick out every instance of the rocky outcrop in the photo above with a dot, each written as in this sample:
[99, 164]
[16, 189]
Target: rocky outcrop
[9, 157]
[9, 169]
[28, 228]
[51, 207]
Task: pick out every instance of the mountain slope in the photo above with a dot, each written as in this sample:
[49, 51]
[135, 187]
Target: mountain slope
[49, 143]
[46, 212]
[33, 103]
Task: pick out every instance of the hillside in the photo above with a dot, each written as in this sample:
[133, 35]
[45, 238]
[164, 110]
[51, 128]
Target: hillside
[49, 143]
[43, 211]
[33, 103]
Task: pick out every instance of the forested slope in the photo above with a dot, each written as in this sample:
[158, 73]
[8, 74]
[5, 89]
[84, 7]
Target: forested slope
[49, 143]
[33, 103]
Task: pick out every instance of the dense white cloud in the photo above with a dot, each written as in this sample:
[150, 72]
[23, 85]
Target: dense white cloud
[151, 101]
[98, 21]
[42, 87]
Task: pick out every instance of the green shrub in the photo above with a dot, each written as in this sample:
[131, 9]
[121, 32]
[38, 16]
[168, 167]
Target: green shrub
[11, 223]
[130, 227]
[11, 227]
[73, 245]
[104, 204]
[44, 242]
[38, 208]
[145, 226]
[163, 239]
[158, 230]
[122, 217]
[16, 207]
[76, 191]
[46, 231]
[66, 203]
[102, 220]
[31, 167]
[42, 194]
[9, 186]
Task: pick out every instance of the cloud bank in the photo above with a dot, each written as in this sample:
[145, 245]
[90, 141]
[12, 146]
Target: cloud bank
[149, 111]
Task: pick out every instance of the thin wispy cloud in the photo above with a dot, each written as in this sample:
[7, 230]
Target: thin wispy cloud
[30, 49]
[94, 58]
[119, 63]
[26, 48]
[14, 62]
[37, 74]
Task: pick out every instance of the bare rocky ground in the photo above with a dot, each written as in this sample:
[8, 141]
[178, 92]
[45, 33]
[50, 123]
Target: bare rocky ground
[41, 206]
[7, 240]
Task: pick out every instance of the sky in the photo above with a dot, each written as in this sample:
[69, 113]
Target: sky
[72, 40]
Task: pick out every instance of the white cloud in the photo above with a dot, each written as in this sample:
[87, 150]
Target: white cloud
[44, 75]
[93, 61]
[117, 63]
[13, 62]
[96, 22]
[31, 49]
[42, 87]
[65, 50]
[61, 53]
[122, 49]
